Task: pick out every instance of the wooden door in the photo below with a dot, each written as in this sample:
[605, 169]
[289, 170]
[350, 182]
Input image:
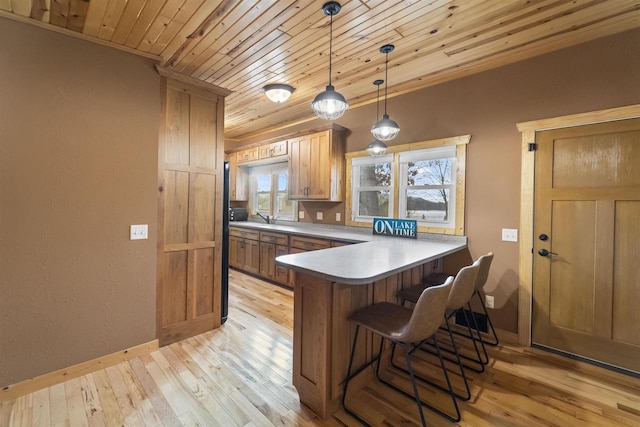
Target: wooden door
[586, 290]
[190, 213]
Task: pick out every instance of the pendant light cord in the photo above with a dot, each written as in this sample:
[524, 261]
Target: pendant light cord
[330, 45]
[386, 81]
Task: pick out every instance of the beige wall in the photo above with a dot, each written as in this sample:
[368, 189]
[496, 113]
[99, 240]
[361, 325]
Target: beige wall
[78, 165]
[592, 76]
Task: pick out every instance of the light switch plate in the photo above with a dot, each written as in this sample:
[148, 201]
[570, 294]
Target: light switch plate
[489, 302]
[319, 216]
[301, 214]
[139, 232]
[338, 217]
[509, 234]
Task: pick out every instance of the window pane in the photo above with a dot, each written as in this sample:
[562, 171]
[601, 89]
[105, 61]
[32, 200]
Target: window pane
[264, 183]
[428, 205]
[429, 172]
[373, 203]
[264, 200]
[375, 175]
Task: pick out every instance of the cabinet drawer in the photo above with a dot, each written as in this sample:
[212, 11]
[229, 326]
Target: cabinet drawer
[277, 238]
[247, 234]
[336, 243]
[309, 243]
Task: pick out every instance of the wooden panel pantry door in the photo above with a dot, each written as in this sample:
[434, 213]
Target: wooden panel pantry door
[190, 213]
[586, 270]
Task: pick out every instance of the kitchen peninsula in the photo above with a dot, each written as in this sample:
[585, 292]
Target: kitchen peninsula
[329, 285]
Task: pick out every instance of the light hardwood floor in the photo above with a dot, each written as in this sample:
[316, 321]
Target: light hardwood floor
[240, 375]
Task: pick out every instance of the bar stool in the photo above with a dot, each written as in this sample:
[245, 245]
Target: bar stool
[483, 275]
[403, 327]
[461, 291]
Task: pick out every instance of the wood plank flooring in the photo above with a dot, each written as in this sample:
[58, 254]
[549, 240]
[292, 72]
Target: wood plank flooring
[240, 375]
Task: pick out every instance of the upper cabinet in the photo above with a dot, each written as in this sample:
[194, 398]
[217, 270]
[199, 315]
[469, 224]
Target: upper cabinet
[238, 180]
[316, 166]
[273, 150]
[248, 155]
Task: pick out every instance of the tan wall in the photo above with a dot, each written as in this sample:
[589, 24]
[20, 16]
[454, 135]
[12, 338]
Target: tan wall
[78, 165]
[592, 76]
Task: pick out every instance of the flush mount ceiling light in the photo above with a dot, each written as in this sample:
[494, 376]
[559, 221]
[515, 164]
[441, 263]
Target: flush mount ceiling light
[278, 93]
[385, 129]
[377, 147]
[330, 105]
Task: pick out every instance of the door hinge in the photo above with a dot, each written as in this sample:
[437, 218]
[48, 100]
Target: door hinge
[533, 146]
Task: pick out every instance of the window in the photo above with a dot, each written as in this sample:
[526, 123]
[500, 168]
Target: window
[270, 191]
[429, 186]
[427, 182]
[373, 187]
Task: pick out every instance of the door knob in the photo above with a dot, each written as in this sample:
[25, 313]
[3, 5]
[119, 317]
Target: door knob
[544, 252]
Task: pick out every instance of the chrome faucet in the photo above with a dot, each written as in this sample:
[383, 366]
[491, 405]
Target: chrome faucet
[266, 218]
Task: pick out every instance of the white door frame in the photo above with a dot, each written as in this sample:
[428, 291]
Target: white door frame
[525, 261]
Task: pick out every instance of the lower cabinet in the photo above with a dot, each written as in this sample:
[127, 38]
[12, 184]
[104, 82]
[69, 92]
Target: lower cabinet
[244, 250]
[268, 268]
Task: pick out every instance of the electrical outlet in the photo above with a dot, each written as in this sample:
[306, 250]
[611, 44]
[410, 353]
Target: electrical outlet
[338, 217]
[509, 234]
[139, 232]
[319, 216]
[488, 301]
[301, 214]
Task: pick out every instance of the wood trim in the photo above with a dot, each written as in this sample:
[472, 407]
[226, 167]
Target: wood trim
[162, 138]
[453, 140]
[525, 261]
[47, 380]
[182, 78]
[282, 137]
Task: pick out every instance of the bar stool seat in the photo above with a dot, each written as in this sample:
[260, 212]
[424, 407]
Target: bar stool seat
[405, 328]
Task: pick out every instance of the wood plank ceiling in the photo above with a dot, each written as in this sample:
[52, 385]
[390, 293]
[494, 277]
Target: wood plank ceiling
[241, 45]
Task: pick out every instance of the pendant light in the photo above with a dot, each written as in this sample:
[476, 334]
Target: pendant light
[385, 129]
[377, 147]
[330, 105]
[278, 93]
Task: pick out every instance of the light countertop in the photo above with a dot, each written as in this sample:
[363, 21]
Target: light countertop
[373, 259]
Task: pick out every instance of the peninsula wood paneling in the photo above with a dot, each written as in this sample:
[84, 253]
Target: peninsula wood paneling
[243, 45]
[189, 255]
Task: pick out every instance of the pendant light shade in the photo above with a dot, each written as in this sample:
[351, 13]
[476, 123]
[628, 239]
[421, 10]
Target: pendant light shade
[377, 147]
[278, 93]
[385, 129]
[330, 105]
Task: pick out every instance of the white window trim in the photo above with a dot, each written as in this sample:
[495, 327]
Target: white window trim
[404, 158]
[269, 170]
[355, 168]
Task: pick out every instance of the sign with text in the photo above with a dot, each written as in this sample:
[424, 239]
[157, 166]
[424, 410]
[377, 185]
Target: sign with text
[396, 227]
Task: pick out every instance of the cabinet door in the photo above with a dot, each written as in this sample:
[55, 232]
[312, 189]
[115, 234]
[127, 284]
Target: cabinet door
[238, 181]
[319, 178]
[235, 252]
[252, 253]
[299, 168]
[281, 273]
[267, 260]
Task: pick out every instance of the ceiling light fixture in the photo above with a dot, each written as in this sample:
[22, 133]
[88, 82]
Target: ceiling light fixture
[278, 93]
[330, 105]
[377, 147]
[385, 129]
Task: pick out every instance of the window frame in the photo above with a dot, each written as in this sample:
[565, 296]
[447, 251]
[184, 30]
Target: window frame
[457, 224]
[355, 169]
[274, 170]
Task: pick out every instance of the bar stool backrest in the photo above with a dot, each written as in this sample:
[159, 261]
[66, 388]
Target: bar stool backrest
[427, 314]
[483, 271]
[463, 286]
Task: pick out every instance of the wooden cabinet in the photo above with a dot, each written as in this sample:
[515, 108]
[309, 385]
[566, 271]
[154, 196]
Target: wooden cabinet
[316, 166]
[273, 245]
[273, 150]
[238, 180]
[244, 250]
[248, 155]
[336, 243]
